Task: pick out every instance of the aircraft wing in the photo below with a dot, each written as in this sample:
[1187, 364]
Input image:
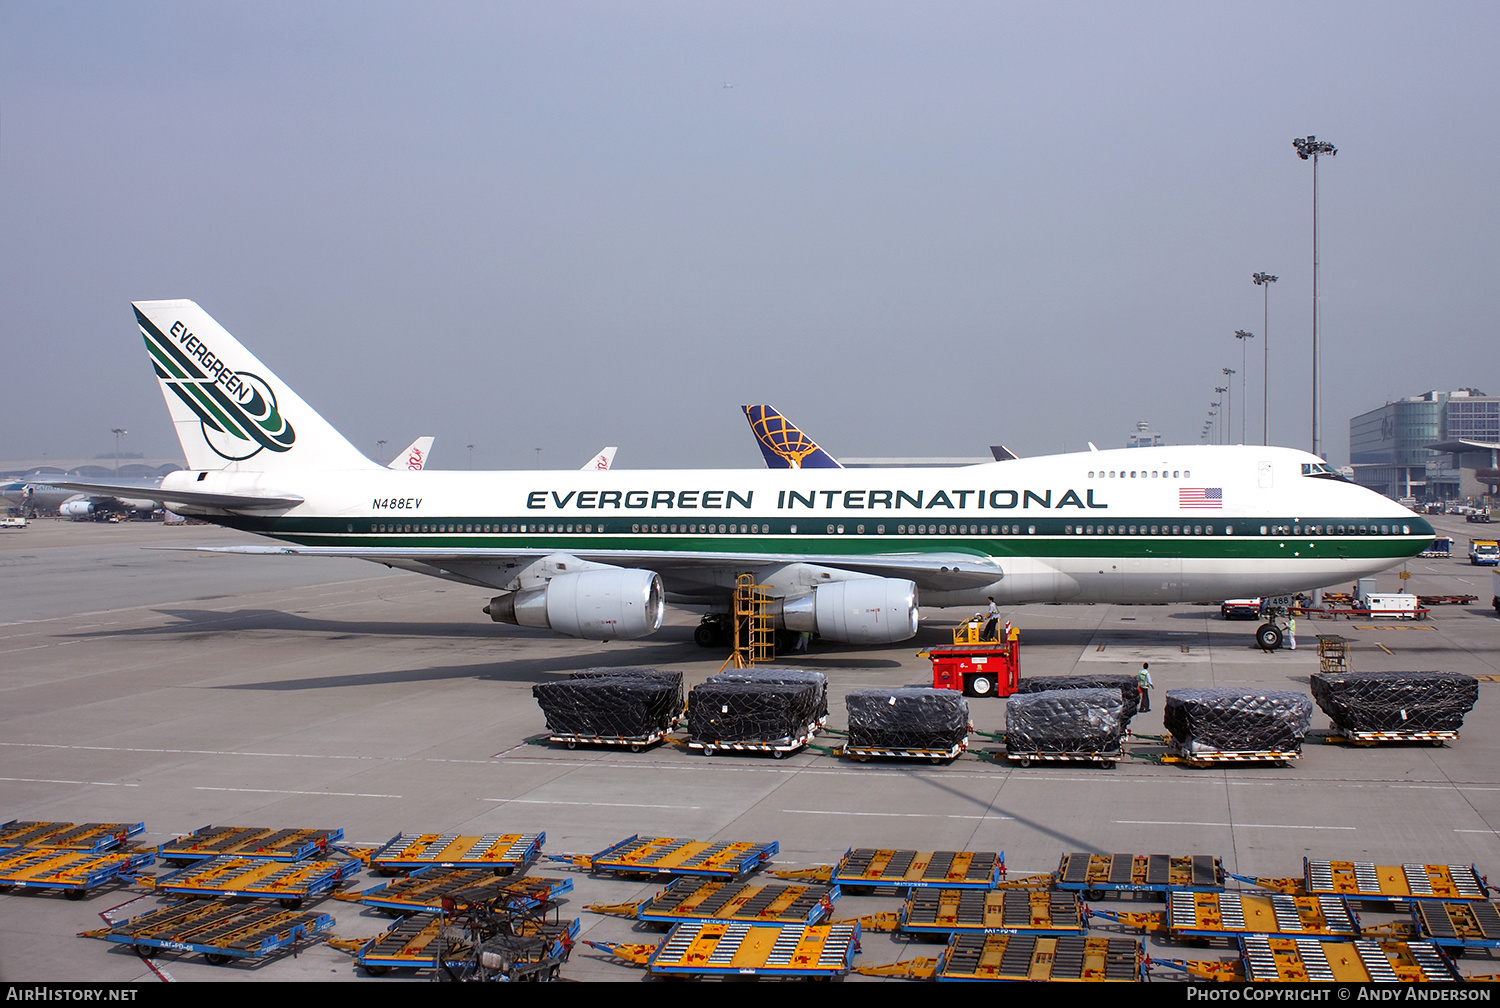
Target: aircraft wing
[198, 498]
[681, 573]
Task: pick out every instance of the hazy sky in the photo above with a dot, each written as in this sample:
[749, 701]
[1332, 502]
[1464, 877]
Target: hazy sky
[914, 228]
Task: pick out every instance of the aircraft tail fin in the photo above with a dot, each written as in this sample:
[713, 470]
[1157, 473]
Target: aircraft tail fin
[602, 461]
[230, 411]
[414, 456]
[783, 444]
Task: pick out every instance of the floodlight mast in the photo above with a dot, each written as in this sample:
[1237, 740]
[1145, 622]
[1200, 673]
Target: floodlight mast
[1244, 338]
[1264, 282]
[1310, 149]
[1229, 414]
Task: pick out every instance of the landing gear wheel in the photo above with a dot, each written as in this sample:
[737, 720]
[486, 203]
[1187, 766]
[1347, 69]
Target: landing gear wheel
[1268, 636]
[712, 631]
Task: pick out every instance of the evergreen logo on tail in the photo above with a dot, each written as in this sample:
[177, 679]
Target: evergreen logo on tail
[237, 409]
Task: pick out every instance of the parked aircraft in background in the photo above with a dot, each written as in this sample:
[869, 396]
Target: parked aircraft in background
[846, 553]
[66, 499]
[787, 446]
[783, 443]
[602, 461]
[414, 457]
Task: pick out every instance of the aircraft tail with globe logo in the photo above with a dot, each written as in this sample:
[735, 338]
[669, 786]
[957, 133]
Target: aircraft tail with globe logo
[783, 444]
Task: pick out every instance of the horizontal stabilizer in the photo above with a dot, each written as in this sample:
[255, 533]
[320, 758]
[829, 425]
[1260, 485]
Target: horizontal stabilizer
[196, 498]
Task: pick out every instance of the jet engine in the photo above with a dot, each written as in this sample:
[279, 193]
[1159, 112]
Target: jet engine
[77, 507]
[857, 611]
[610, 604]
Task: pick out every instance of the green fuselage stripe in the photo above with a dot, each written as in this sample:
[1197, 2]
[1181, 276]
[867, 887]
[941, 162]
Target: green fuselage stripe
[777, 538]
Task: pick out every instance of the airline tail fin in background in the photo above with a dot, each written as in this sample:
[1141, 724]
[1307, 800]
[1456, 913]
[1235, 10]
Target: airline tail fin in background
[602, 461]
[231, 411]
[783, 444]
[414, 457]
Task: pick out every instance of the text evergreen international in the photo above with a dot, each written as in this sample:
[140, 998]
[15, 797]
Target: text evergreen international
[811, 500]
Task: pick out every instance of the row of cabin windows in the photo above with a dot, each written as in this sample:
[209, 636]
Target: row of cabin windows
[754, 528]
[1142, 474]
[1144, 530]
[1294, 529]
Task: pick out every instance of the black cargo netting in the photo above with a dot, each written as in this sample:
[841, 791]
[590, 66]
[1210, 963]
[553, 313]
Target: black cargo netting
[1124, 682]
[780, 675]
[1227, 720]
[633, 672]
[609, 706]
[751, 711]
[1064, 721]
[907, 718]
[1395, 701]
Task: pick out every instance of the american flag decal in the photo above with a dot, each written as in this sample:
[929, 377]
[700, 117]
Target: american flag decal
[1200, 497]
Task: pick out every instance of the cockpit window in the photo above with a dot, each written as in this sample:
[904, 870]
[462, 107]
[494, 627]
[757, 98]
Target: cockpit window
[1322, 470]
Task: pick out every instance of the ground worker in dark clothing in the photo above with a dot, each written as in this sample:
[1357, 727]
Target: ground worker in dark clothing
[1143, 686]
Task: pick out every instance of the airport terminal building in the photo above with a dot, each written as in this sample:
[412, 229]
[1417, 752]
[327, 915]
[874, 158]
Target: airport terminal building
[1438, 446]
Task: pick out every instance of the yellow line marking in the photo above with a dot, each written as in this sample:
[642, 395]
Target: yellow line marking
[1385, 649]
[1372, 626]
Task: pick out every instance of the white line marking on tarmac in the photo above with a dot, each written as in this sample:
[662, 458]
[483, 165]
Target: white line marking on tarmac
[896, 815]
[329, 794]
[49, 780]
[588, 804]
[1239, 825]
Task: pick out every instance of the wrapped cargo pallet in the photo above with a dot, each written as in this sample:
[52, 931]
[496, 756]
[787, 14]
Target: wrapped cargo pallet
[1123, 682]
[907, 718]
[609, 706]
[781, 675]
[636, 672]
[1229, 720]
[751, 711]
[1396, 701]
[1064, 721]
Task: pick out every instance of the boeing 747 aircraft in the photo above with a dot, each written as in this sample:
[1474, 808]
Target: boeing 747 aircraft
[847, 553]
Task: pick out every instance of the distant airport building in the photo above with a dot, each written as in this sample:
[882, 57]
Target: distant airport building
[1438, 446]
[1143, 436]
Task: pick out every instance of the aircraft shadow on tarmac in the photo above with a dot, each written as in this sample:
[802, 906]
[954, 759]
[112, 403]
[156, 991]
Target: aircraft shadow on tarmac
[526, 670]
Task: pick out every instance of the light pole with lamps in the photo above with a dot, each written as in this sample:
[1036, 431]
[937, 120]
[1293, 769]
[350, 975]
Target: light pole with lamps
[1229, 408]
[118, 432]
[1244, 338]
[1310, 149]
[1264, 282]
